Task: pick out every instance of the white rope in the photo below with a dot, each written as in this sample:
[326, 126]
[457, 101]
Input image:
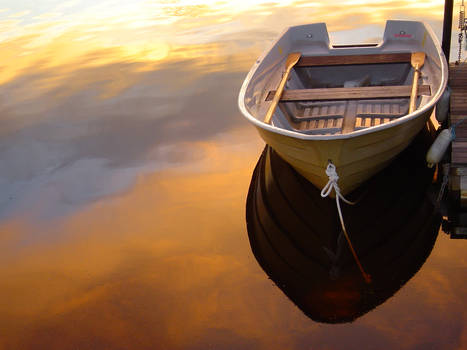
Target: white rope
[326, 191]
[332, 184]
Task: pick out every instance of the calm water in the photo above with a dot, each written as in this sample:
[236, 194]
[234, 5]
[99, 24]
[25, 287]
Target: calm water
[125, 168]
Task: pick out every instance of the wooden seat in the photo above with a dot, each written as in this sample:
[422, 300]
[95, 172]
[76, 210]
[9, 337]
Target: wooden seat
[354, 93]
[309, 61]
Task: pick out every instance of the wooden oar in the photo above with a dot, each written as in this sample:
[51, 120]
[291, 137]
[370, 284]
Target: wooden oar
[417, 60]
[292, 59]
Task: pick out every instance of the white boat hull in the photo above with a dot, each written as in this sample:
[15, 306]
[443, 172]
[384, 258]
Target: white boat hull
[358, 154]
[356, 159]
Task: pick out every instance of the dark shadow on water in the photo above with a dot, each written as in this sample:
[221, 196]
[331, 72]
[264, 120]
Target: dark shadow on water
[296, 236]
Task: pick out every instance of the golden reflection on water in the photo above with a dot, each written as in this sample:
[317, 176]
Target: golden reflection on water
[159, 256]
[61, 46]
[168, 263]
[152, 31]
[125, 167]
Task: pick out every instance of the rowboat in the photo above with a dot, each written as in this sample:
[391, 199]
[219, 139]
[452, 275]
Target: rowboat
[355, 106]
[297, 240]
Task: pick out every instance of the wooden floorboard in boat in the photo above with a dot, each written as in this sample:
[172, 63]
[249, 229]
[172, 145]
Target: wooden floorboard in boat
[350, 117]
[322, 118]
[366, 92]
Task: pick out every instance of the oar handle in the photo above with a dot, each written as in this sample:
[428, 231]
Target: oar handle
[277, 96]
[414, 93]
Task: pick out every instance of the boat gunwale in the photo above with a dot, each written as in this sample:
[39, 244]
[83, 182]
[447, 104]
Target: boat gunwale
[356, 133]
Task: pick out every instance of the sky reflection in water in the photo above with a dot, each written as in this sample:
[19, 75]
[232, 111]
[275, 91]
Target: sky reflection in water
[124, 170]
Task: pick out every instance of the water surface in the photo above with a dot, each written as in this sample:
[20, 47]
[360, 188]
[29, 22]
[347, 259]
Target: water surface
[125, 167]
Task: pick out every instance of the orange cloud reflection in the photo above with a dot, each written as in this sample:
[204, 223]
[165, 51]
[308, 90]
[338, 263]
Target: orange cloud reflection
[169, 264]
[166, 250]
[146, 31]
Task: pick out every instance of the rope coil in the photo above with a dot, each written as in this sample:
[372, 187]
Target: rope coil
[332, 184]
[326, 191]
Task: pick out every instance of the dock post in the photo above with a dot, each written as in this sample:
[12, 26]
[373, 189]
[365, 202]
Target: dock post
[447, 27]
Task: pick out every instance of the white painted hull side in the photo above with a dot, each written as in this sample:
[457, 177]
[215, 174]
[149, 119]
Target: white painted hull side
[359, 154]
[356, 159]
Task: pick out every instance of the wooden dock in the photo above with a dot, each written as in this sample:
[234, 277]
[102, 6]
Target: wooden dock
[455, 223]
[458, 111]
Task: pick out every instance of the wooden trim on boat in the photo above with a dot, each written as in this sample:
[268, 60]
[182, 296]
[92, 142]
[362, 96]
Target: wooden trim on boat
[350, 117]
[365, 92]
[308, 61]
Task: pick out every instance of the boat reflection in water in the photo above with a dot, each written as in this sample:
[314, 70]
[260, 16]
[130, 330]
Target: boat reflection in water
[297, 239]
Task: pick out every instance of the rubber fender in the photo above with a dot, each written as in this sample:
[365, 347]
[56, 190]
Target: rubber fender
[439, 147]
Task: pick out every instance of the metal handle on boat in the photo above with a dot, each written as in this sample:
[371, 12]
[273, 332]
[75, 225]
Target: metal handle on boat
[291, 61]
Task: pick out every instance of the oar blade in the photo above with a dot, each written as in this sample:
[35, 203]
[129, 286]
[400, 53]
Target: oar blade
[292, 59]
[417, 59]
